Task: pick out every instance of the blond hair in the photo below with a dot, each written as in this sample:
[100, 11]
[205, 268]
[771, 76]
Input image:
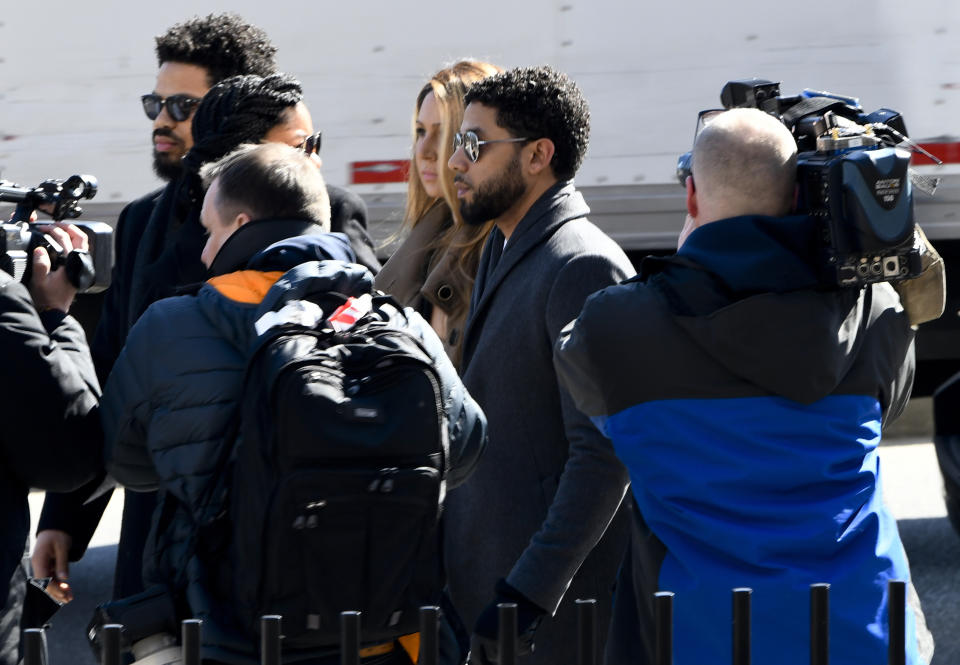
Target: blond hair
[449, 85]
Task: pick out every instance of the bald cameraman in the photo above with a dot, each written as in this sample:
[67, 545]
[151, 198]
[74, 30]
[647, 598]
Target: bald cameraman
[50, 436]
[746, 396]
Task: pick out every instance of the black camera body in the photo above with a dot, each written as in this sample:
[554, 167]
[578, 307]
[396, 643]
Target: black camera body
[851, 176]
[89, 271]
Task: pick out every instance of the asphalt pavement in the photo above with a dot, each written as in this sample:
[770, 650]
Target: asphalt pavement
[911, 482]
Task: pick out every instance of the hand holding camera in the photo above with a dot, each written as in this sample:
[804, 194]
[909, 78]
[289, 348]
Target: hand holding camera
[57, 261]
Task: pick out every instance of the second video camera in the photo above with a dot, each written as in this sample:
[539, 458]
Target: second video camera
[852, 176]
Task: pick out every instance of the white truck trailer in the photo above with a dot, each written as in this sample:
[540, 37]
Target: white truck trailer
[71, 76]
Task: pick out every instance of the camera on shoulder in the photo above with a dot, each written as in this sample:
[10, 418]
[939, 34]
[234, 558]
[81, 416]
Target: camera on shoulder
[853, 178]
[89, 270]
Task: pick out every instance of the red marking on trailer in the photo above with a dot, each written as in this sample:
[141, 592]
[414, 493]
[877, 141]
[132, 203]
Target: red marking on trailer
[948, 152]
[380, 171]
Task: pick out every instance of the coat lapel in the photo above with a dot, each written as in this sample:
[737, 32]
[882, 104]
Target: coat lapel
[558, 205]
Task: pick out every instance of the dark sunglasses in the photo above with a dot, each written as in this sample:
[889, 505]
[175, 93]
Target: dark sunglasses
[311, 144]
[471, 144]
[178, 106]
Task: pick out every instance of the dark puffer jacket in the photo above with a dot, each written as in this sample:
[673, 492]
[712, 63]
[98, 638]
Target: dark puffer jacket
[68, 512]
[174, 389]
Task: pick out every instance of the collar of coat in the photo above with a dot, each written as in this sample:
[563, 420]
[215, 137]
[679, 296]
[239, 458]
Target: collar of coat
[246, 286]
[754, 254]
[557, 206]
[259, 272]
[251, 246]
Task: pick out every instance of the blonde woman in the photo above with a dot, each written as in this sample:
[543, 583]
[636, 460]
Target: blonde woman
[434, 268]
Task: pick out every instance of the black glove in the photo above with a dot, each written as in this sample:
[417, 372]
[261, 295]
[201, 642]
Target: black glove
[484, 642]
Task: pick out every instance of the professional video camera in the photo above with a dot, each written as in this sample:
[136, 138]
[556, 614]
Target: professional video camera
[88, 271]
[853, 177]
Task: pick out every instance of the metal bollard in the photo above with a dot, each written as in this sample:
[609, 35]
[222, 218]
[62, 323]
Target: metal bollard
[190, 638]
[663, 622]
[34, 647]
[270, 639]
[110, 644]
[429, 636]
[819, 624]
[349, 638]
[741, 626]
[507, 630]
[587, 625]
[897, 618]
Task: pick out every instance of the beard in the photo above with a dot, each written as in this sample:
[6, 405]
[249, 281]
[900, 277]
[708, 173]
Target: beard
[168, 166]
[495, 197]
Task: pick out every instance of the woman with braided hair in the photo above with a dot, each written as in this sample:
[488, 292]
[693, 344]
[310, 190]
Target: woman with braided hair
[238, 110]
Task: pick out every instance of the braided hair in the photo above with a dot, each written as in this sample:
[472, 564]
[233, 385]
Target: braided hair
[238, 110]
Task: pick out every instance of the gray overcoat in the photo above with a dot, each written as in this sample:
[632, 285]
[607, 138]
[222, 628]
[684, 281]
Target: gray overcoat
[549, 482]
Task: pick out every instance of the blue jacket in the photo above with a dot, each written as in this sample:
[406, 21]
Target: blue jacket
[747, 400]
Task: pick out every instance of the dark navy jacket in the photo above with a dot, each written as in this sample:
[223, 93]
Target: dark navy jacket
[747, 400]
[174, 390]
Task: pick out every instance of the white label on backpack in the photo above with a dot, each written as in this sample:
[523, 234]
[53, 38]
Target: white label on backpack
[300, 312]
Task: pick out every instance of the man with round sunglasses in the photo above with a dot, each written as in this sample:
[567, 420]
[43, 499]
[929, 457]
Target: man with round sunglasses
[549, 484]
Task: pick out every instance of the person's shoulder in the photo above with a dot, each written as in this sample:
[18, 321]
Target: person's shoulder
[345, 204]
[580, 248]
[145, 202]
[13, 291]
[135, 215]
[581, 236]
[583, 228]
[167, 318]
[629, 298]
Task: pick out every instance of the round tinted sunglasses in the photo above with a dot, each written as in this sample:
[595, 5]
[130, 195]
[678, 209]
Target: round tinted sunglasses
[471, 143]
[178, 106]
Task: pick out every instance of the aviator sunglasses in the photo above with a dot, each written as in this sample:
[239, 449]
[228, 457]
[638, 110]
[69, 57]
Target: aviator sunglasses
[471, 144]
[178, 106]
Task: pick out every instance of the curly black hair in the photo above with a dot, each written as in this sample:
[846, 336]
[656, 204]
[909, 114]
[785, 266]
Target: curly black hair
[540, 102]
[224, 44]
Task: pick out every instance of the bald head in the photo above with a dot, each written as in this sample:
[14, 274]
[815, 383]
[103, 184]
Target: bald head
[744, 163]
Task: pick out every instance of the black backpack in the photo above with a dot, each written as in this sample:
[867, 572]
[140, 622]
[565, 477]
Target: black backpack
[337, 480]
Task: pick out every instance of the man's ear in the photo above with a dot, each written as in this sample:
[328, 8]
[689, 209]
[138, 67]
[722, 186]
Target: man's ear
[241, 219]
[540, 156]
[693, 208]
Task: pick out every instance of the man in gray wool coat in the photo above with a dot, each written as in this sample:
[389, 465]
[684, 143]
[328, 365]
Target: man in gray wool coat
[539, 524]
